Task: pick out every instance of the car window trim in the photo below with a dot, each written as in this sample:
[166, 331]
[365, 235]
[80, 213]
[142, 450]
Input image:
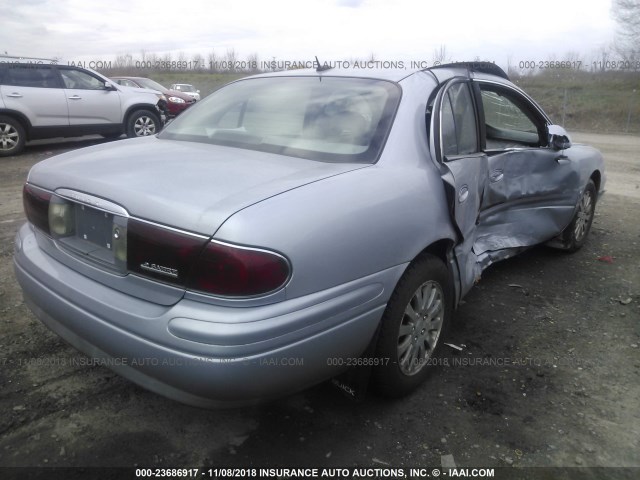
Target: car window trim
[532, 103]
[542, 122]
[4, 76]
[437, 119]
[59, 69]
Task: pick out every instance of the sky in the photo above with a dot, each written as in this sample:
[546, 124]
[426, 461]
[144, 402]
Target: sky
[410, 30]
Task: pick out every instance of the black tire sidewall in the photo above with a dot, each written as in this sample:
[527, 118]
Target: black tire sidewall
[21, 136]
[388, 379]
[569, 234]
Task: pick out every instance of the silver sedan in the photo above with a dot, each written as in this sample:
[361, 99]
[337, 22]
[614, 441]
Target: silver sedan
[299, 226]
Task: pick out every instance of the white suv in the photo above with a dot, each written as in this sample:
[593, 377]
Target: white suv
[46, 100]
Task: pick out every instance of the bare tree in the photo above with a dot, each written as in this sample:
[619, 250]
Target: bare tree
[124, 61]
[440, 55]
[213, 61]
[182, 57]
[197, 61]
[165, 63]
[573, 57]
[252, 62]
[230, 58]
[603, 58]
[626, 13]
[512, 70]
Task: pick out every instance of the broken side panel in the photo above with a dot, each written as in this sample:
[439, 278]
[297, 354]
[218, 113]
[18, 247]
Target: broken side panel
[530, 198]
[465, 181]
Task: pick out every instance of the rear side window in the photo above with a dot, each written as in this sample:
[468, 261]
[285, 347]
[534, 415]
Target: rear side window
[458, 122]
[28, 76]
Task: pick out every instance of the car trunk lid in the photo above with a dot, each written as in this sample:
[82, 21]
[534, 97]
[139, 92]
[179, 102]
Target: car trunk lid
[185, 185]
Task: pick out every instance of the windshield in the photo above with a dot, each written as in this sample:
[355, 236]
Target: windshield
[148, 83]
[320, 118]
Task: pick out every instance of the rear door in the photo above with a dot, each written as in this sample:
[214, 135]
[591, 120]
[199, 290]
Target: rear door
[90, 103]
[463, 166]
[35, 91]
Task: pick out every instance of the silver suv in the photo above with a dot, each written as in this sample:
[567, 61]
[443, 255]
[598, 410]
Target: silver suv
[42, 99]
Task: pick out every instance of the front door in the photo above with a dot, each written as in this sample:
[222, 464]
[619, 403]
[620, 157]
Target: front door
[532, 189]
[90, 103]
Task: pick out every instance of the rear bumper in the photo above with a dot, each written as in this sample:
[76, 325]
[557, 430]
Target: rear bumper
[202, 354]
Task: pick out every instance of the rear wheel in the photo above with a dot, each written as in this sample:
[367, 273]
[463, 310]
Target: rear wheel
[12, 136]
[575, 235]
[143, 123]
[414, 324]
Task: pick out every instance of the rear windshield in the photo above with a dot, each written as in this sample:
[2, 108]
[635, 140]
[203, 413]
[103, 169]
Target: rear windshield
[331, 119]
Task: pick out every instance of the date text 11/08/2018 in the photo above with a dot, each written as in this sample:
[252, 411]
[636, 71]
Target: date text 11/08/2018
[267, 65]
[599, 65]
[352, 472]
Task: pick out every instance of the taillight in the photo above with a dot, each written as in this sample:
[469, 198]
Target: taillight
[62, 220]
[229, 270]
[36, 206]
[161, 253]
[169, 255]
[182, 259]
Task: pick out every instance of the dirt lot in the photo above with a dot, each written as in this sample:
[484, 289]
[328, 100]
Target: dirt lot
[548, 375]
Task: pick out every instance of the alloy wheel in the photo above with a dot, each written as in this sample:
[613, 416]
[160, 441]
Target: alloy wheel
[9, 137]
[420, 327]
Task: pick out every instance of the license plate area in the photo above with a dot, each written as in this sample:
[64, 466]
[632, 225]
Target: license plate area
[96, 236]
[94, 226]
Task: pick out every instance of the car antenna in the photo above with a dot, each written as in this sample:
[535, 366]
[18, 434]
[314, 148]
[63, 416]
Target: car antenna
[321, 68]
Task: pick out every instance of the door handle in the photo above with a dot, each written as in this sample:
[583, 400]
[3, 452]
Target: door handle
[75, 97]
[14, 95]
[496, 176]
[562, 160]
[463, 194]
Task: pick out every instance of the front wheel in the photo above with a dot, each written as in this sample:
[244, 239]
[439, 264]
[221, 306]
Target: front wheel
[575, 235]
[12, 136]
[413, 326]
[143, 123]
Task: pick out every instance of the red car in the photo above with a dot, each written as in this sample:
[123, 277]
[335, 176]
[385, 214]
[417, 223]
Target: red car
[176, 102]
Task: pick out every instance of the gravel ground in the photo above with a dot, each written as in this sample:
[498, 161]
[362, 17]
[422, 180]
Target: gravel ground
[548, 374]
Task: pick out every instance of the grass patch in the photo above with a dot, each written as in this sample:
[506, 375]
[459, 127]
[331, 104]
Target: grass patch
[586, 101]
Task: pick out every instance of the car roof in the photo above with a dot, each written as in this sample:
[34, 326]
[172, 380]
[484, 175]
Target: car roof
[477, 70]
[395, 75]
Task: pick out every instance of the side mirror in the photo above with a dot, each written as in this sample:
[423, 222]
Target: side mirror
[109, 87]
[558, 137]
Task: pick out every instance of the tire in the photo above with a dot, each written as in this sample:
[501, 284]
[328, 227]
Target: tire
[142, 123]
[12, 136]
[575, 235]
[410, 341]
